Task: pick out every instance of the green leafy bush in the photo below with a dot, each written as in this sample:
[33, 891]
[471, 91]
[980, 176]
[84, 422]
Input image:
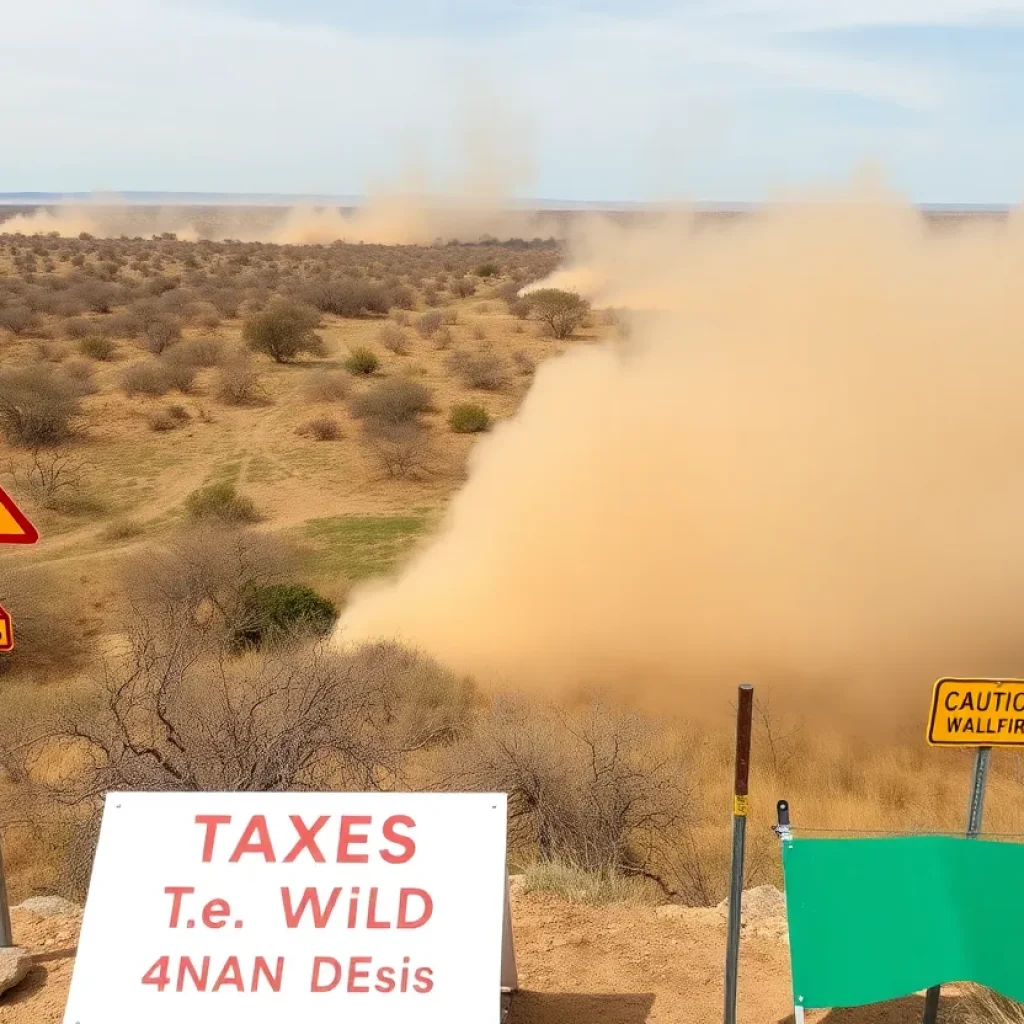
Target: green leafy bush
[283, 331]
[468, 418]
[276, 611]
[97, 346]
[562, 312]
[221, 502]
[362, 360]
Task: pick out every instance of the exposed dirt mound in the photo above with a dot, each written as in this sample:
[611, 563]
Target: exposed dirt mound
[578, 964]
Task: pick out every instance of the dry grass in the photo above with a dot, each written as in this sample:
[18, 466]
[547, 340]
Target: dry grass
[983, 1006]
[580, 885]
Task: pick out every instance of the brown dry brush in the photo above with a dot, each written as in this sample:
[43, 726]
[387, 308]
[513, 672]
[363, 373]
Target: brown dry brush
[593, 788]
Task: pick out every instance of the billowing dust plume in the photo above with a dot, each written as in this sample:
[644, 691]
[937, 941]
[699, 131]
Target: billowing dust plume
[808, 466]
[474, 204]
[387, 218]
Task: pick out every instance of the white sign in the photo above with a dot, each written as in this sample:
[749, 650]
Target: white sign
[363, 908]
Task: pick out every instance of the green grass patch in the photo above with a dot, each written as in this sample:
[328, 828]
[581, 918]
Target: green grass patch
[358, 547]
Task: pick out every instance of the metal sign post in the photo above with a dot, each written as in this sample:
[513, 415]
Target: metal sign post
[784, 830]
[964, 711]
[740, 806]
[15, 528]
[975, 808]
[6, 938]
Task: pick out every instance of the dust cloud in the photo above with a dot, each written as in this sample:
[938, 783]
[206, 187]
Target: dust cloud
[472, 204]
[385, 219]
[805, 462]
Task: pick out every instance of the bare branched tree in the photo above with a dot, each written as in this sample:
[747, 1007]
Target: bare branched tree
[53, 477]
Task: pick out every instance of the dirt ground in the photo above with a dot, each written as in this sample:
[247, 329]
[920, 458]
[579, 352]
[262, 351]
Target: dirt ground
[578, 964]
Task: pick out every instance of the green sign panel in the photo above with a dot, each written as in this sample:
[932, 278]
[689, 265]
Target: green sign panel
[878, 919]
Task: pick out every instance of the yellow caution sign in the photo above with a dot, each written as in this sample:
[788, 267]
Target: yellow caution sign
[977, 713]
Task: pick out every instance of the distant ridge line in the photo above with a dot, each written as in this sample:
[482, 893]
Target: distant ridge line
[140, 198]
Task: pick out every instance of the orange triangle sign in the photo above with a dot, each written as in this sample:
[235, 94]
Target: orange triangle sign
[14, 525]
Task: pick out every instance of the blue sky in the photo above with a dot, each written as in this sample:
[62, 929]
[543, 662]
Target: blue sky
[570, 99]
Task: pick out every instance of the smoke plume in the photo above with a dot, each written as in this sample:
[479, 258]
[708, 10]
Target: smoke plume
[806, 464]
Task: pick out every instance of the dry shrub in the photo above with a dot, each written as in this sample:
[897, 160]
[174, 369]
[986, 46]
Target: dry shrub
[98, 347]
[561, 312]
[160, 335]
[483, 371]
[450, 317]
[82, 375]
[428, 323]
[326, 386]
[46, 626]
[507, 291]
[53, 478]
[97, 296]
[19, 320]
[50, 351]
[362, 361]
[349, 297]
[443, 339]
[238, 380]
[155, 377]
[175, 714]
[146, 377]
[169, 417]
[394, 402]
[206, 317]
[520, 308]
[76, 328]
[203, 352]
[401, 449]
[321, 428]
[120, 325]
[594, 789]
[523, 363]
[181, 372]
[220, 503]
[200, 576]
[37, 405]
[981, 1005]
[394, 339]
[284, 331]
[432, 705]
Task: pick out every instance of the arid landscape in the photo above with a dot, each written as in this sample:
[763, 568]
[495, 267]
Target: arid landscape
[468, 516]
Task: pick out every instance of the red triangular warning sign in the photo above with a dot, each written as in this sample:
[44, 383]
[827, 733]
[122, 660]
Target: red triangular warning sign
[14, 525]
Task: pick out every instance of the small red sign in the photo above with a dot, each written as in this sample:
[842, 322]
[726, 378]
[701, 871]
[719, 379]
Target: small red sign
[6, 631]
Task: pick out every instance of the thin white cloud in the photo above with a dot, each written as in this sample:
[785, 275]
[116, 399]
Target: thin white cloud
[182, 94]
